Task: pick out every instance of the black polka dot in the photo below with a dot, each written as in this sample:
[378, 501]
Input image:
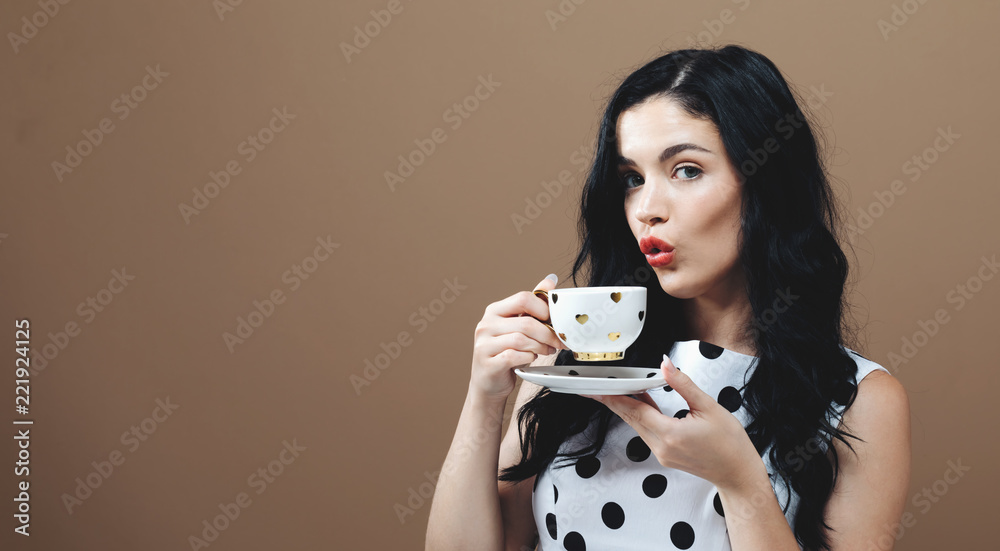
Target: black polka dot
[550, 524]
[682, 535]
[667, 388]
[588, 466]
[612, 377]
[637, 450]
[730, 398]
[555, 492]
[613, 515]
[574, 542]
[573, 372]
[654, 485]
[718, 504]
[651, 374]
[681, 414]
[709, 350]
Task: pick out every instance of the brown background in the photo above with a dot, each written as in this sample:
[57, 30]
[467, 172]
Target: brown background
[323, 176]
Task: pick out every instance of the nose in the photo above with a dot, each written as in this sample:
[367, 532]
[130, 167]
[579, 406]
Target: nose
[650, 204]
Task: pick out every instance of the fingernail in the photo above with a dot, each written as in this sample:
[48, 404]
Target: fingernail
[553, 277]
[670, 365]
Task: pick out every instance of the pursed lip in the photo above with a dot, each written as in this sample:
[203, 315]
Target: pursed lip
[649, 244]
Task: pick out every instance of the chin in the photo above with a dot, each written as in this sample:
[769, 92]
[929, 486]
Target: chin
[677, 291]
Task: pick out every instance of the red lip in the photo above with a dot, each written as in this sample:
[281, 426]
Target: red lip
[652, 245]
[658, 252]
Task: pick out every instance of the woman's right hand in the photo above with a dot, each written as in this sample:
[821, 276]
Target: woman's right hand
[506, 339]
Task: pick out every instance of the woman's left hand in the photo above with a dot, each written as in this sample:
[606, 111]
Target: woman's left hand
[709, 442]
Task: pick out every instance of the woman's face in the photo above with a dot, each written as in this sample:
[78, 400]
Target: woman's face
[681, 188]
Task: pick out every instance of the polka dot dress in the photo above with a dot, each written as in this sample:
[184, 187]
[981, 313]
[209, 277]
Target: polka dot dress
[622, 498]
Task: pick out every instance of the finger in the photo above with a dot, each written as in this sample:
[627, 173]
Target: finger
[646, 419]
[511, 358]
[645, 397]
[516, 341]
[530, 327]
[525, 302]
[695, 397]
[548, 283]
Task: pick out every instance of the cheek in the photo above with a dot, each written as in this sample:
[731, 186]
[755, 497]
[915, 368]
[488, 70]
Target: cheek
[716, 232]
[633, 224]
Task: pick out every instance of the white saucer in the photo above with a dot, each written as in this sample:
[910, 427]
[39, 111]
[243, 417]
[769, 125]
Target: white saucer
[593, 379]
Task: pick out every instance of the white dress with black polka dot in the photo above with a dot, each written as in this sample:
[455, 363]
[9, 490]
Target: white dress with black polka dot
[622, 498]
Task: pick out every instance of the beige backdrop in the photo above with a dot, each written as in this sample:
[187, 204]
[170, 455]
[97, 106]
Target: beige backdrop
[197, 224]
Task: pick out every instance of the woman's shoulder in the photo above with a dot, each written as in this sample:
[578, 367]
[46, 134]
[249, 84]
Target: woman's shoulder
[865, 366]
[880, 396]
[880, 412]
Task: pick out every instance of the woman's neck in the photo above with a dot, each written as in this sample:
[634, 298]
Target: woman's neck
[721, 322]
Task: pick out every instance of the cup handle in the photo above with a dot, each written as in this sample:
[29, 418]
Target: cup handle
[544, 295]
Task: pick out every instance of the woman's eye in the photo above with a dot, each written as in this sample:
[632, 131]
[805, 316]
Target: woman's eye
[693, 171]
[631, 180]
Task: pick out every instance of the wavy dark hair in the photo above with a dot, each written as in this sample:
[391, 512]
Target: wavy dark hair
[788, 243]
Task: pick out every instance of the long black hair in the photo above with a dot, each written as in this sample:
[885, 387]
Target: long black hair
[789, 251]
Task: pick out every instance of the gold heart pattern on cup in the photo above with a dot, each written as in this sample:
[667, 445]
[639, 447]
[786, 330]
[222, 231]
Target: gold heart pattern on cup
[562, 336]
[582, 318]
[614, 336]
[616, 296]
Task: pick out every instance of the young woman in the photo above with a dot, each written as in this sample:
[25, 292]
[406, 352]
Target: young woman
[707, 187]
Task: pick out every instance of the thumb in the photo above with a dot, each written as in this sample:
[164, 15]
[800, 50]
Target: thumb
[696, 398]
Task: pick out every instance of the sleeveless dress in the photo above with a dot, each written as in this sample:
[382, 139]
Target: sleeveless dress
[622, 498]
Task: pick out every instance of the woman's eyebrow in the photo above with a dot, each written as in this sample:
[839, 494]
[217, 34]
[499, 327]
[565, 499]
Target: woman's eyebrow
[666, 154]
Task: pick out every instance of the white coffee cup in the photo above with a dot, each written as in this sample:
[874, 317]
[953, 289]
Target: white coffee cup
[596, 323]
